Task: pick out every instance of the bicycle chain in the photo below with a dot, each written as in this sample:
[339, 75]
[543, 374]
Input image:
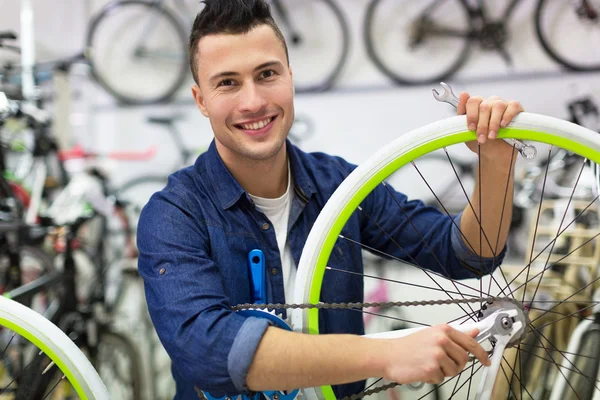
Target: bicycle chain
[354, 305]
[351, 305]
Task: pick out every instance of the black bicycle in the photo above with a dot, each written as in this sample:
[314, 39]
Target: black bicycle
[133, 42]
[427, 41]
[57, 295]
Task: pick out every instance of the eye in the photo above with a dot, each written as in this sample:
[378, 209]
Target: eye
[267, 73]
[226, 82]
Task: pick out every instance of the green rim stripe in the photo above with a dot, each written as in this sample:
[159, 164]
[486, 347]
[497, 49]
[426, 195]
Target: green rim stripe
[359, 196]
[49, 352]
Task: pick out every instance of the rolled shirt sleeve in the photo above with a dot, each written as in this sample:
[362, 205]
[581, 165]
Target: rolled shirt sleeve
[210, 346]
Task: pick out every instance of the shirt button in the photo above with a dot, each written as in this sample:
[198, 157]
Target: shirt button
[265, 226]
[274, 271]
[162, 271]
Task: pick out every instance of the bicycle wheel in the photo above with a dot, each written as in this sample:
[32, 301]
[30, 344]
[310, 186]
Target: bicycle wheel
[569, 32]
[318, 261]
[118, 363]
[137, 51]
[27, 329]
[418, 42]
[318, 40]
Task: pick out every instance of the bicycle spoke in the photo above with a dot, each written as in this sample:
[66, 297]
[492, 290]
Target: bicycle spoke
[558, 230]
[515, 375]
[565, 352]
[373, 384]
[567, 368]
[513, 370]
[390, 317]
[537, 221]
[7, 345]
[478, 219]
[520, 379]
[466, 240]
[554, 240]
[469, 379]
[510, 389]
[18, 375]
[535, 332]
[54, 387]
[405, 252]
[560, 319]
[425, 270]
[583, 288]
[565, 300]
[466, 318]
[510, 170]
[493, 250]
[590, 379]
[455, 385]
[424, 242]
[559, 313]
[401, 282]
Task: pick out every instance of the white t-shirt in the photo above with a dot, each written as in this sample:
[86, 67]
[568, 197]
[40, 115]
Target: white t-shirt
[278, 212]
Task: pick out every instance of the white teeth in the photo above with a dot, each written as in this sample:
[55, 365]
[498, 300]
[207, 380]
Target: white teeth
[257, 125]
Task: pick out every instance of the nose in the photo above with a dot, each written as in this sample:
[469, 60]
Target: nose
[251, 98]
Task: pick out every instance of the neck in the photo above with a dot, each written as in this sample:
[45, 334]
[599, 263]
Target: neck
[261, 178]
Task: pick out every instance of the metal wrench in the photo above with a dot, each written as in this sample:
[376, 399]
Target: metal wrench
[527, 151]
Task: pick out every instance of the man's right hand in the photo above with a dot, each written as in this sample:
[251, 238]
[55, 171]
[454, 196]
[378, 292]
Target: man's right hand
[431, 355]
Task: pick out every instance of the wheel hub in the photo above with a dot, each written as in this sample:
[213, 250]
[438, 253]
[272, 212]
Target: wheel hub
[506, 323]
[493, 35]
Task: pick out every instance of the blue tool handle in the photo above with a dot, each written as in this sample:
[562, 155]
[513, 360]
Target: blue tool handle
[256, 260]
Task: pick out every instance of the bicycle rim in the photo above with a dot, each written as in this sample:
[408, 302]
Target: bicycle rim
[402, 45]
[138, 52]
[545, 131]
[54, 344]
[323, 41]
[569, 37]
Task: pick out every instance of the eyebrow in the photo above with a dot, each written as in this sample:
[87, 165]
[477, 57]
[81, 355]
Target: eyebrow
[228, 74]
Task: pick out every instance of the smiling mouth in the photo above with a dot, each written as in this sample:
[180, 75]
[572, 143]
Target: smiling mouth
[255, 125]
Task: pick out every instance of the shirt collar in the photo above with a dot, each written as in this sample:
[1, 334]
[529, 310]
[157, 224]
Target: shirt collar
[227, 189]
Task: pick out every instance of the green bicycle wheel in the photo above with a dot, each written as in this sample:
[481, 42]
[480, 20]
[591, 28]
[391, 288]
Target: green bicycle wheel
[21, 324]
[541, 131]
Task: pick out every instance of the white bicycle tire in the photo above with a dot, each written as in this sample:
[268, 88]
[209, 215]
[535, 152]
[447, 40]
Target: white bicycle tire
[525, 126]
[56, 345]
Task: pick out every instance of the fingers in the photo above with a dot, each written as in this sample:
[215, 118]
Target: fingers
[472, 109]
[459, 357]
[436, 377]
[461, 109]
[469, 344]
[498, 109]
[514, 107]
[487, 116]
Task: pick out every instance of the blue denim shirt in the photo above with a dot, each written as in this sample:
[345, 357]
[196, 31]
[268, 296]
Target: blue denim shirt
[194, 237]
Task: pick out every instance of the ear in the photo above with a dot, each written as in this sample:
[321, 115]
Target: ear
[199, 99]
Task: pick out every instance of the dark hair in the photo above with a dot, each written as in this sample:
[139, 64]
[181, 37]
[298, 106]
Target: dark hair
[230, 17]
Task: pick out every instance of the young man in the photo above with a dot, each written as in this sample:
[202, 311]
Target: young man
[254, 190]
